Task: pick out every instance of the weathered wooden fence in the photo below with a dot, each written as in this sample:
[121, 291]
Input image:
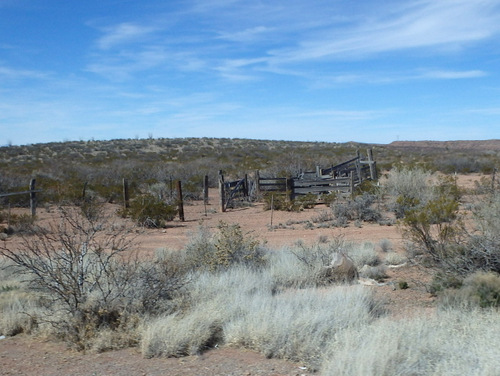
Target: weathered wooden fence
[32, 192]
[232, 190]
[342, 178]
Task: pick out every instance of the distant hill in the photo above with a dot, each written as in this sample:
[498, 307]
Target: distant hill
[478, 145]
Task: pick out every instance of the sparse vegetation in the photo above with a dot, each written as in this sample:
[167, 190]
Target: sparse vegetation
[82, 281]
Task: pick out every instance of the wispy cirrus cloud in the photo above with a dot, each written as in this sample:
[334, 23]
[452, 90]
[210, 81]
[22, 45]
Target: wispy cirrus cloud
[123, 33]
[246, 35]
[8, 73]
[419, 24]
[452, 75]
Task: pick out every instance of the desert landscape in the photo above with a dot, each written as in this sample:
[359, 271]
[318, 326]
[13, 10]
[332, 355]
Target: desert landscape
[397, 290]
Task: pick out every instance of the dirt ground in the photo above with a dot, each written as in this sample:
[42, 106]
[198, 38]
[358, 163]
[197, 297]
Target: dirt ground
[22, 355]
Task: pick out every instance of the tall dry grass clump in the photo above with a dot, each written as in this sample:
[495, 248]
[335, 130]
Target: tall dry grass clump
[450, 343]
[247, 308]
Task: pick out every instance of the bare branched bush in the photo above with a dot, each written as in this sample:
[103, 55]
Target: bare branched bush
[88, 278]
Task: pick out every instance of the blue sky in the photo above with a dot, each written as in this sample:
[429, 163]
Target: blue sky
[333, 70]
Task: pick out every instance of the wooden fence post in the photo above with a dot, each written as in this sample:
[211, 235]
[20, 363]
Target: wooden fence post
[245, 186]
[205, 190]
[318, 172]
[358, 170]
[126, 197]
[180, 201]
[33, 197]
[289, 189]
[221, 192]
[351, 177]
[84, 190]
[373, 168]
[257, 183]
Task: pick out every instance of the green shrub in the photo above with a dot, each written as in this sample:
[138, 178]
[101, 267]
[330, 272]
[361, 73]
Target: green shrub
[443, 281]
[307, 201]
[150, 211]
[329, 198]
[481, 289]
[435, 228]
[484, 288]
[280, 201]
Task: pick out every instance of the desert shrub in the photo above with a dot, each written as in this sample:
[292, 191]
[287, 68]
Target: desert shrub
[364, 254]
[442, 281]
[150, 211]
[360, 208]
[17, 305]
[323, 216]
[242, 307]
[19, 310]
[319, 254]
[307, 201]
[368, 187]
[317, 262]
[385, 245]
[228, 246]
[21, 224]
[300, 324]
[176, 336]
[393, 258]
[481, 289]
[287, 271]
[435, 228]
[378, 273]
[211, 300]
[88, 280]
[407, 188]
[329, 199]
[428, 345]
[280, 201]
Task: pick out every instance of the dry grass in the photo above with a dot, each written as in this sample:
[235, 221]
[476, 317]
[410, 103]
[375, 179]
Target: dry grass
[450, 343]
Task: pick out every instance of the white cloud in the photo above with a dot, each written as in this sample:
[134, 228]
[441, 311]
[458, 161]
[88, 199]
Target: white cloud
[123, 33]
[247, 35]
[14, 74]
[422, 24]
[453, 75]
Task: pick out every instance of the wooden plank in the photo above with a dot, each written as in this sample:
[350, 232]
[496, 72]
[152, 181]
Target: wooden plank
[272, 181]
[306, 190]
[19, 193]
[273, 188]
[323, 182]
